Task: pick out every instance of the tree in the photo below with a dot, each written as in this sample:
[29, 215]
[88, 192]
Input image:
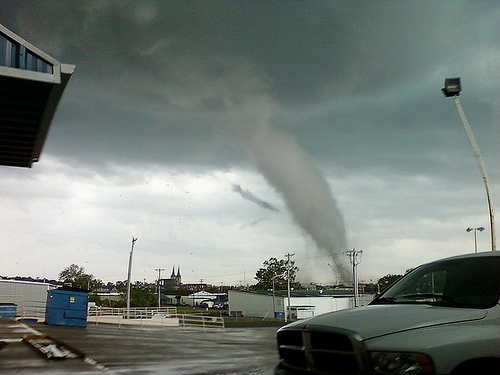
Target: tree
[277, 269]
[139, 297]
[77, 278]
[387, 280]
[371, 288]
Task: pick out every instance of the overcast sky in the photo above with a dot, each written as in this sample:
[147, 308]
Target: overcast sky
[223, 133]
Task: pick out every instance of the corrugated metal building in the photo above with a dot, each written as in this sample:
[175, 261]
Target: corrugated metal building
[30, 297]
[304, 303]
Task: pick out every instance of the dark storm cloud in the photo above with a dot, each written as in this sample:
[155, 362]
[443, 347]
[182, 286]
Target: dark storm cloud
[185, 87]
[318, 44]
[148, 73]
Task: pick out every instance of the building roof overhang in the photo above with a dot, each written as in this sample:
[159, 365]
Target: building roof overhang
[32, 85]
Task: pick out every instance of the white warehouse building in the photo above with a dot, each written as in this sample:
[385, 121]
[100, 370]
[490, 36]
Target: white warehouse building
[29, 297]
[303, 303]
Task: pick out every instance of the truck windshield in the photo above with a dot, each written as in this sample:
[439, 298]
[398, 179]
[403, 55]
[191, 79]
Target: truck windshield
[468, 282]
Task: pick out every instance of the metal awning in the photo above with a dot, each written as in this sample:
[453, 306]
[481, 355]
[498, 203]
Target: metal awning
[31, 86]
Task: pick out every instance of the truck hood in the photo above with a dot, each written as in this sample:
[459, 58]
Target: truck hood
[378, 320]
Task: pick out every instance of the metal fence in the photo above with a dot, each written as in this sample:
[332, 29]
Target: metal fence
[132, 313]
[151, 316]
[205, 321]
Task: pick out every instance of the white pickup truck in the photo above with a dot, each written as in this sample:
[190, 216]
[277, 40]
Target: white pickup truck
[441, 318]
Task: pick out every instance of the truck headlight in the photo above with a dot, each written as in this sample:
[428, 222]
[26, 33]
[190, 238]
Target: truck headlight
[393, 363]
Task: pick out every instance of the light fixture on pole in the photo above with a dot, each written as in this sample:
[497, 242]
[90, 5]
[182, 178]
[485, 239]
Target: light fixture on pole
[475, 236]
[452, 88]
[159, 288]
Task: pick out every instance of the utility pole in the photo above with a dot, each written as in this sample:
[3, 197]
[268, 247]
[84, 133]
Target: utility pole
[288, 264]
[159, 280]
[129, 275]
[355, 260]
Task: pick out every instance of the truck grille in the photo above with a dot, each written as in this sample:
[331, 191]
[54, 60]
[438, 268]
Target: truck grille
[321, 350]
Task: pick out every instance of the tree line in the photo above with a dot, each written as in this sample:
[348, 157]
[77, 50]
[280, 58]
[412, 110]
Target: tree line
[274, 274]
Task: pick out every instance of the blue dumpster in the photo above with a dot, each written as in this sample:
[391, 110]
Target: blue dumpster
[8, 310]
[67, 306]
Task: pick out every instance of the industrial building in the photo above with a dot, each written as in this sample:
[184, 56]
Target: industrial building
[303, 303]
[30, 298]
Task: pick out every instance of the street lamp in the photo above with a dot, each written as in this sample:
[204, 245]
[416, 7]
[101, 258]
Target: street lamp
[288, 266]
[475, 236]
[129, 275]
[159, 287]
[452, 88]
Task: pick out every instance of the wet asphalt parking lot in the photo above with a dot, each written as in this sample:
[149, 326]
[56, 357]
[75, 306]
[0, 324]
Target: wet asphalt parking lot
[143, 351]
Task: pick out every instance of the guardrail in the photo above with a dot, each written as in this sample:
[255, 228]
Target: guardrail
[133, 313]
[205, 321]
[150, 316]
[146, 316]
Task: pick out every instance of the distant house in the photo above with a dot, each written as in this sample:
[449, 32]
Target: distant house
[113, 295]
[174, 297]
[203, 297]
[303, 303]
[199, 298]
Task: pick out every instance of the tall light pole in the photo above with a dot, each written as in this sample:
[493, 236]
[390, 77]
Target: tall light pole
[129, 275]
[355, 259]
[475, 235]
[288, 266]
[159, 280]
[274, 296]
[452, 88]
